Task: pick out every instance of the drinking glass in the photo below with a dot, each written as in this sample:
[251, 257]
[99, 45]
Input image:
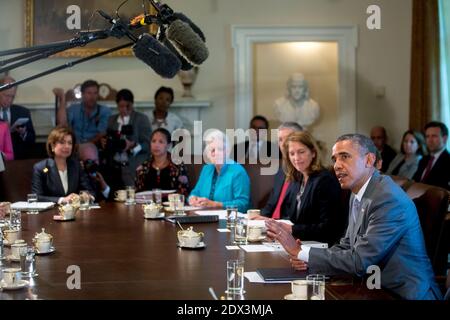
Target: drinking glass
[157, 196]
[32, 198]
[179, 205]
[15, 219]
[231, 216]
[85, 199]
[240, 231]
[28, 261]
[316, 286]
[130, 196]
[235, 277]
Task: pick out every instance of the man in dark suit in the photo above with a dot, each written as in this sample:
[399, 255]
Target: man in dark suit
[257, 148]
[434, 169]
[379, 137]
[19, 119]
[383, 231]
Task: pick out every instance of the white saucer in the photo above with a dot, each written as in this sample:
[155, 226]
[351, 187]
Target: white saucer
[52, 249]
[291, 296]
[19, 285]
[261, 238]
[12, 258]
[200, 245]
[116, 199]
[161, 215]
[166, 203]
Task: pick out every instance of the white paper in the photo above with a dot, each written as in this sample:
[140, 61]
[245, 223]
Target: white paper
[148, 193]
[315, 244]
[232, 247]
[20, 121]
[257, 248]
[221, 213]
[254, 277]
[40, 206]
[223, 230]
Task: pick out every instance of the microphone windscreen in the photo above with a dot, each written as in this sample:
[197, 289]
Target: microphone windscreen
[158, 57]
[182, 17]
[187, 42]
[185, 65]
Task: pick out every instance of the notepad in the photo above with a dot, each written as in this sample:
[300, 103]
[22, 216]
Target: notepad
[281, 274]
[39, 206]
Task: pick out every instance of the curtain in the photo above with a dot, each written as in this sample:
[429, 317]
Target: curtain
[425, 64]
[444, 27]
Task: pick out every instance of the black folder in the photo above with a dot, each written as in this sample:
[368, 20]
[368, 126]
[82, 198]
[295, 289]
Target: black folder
[281, 274]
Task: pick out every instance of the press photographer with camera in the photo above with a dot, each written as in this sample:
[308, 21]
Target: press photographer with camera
[88, 156]
[127, 141]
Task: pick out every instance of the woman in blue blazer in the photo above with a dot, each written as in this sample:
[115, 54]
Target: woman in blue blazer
[223, 182]
[60, 177]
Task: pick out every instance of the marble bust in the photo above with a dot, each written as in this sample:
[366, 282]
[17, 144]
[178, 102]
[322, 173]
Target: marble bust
[296, 105]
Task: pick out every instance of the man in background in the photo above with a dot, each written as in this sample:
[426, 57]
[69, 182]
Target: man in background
[19, 119]
[379, 137]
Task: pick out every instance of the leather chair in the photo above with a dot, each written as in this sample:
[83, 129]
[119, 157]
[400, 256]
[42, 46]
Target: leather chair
[15, 181]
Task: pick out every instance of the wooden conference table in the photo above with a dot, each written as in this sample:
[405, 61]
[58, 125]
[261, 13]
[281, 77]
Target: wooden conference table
[121, 255]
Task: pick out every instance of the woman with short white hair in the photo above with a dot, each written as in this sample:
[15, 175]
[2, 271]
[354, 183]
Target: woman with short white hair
[222, 182]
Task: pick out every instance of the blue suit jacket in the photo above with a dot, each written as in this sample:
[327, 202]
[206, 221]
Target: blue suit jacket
[47, 184]
[387, 233]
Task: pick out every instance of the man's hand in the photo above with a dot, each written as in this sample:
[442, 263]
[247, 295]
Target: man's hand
[276, 231]
[100, 180]
[298, 264]
[129, 145]
[4, 209]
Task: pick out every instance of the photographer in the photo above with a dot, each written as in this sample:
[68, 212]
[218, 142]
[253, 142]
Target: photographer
[88, 155]
[127, 143]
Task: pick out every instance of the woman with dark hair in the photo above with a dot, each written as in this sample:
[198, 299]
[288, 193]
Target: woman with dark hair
[60, 177]
[159, 172]
[161, 117]
[412, 149]
[315, 208]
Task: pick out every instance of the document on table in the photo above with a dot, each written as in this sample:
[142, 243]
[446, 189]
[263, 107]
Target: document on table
[254, 277]
[39, 206]
[221, 213]
[262, 247]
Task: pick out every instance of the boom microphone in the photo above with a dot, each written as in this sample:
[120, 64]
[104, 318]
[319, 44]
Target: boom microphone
[187, 42]
[158, 57]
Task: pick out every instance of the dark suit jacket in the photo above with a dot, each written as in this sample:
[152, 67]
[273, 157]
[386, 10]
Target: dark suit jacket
[22, 148]
[387, 155]
[387, 234]
[271, 204]
[320, 214]
[47, 184]
[268, 148]
[440, 172]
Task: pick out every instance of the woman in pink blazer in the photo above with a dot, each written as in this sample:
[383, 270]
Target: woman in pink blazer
[5, 141]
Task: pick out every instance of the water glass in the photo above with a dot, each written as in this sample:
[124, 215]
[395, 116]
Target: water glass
[15, 219]
[130, 196]
[28, 261]
[316, 286]
[232, 213]
[179, 205]
[235, 277]
[240, 230]
[85, 200]
[157, 196]
[32, 198]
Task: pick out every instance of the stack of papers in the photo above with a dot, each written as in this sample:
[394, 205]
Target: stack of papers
[39, 206]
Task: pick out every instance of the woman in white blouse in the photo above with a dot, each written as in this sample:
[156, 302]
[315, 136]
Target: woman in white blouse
[60, 177]
[412, 149]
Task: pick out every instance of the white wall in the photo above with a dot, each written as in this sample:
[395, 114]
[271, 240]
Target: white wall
[383, 56]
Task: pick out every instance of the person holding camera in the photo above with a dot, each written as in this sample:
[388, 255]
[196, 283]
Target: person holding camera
[89, 160]
[127, 141]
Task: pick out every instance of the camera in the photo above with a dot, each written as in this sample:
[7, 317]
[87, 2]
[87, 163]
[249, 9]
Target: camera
[90, 166]
[116, 140]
